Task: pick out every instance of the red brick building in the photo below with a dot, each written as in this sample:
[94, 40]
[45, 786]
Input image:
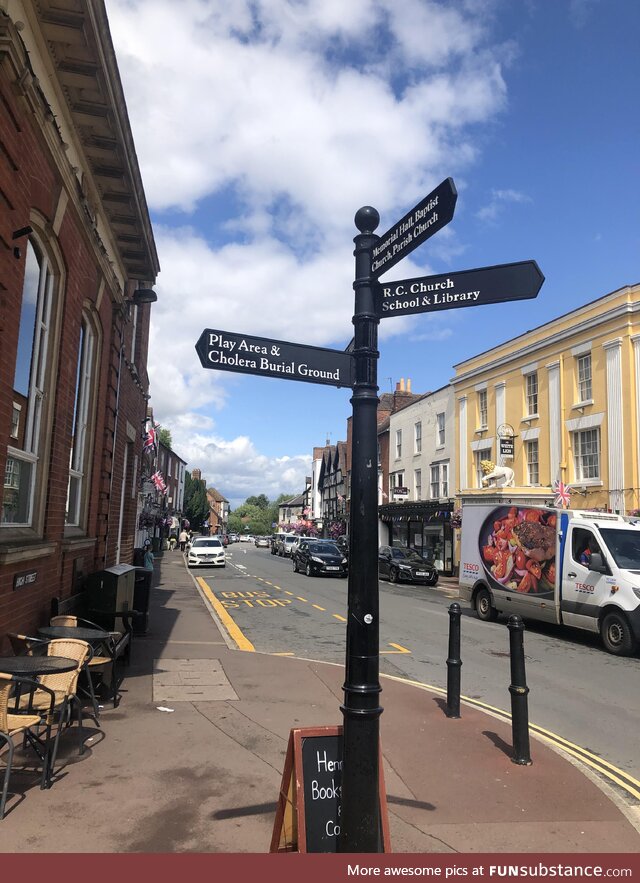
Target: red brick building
[75, 244]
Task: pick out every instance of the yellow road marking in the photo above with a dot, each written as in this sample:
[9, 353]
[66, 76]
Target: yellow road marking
[337, 616]
[301, 599]
[398, 649]
[317, 606]
[288, 592]
[234, 632]
[596, 763]
[267, 582]
[284, 654]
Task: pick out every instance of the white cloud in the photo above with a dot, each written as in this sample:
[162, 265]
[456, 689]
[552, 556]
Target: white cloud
[304, 111]
[498, 202]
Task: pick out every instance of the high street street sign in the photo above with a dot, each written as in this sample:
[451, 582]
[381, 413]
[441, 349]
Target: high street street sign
[226, 351]
[467, 288]
[434, 212]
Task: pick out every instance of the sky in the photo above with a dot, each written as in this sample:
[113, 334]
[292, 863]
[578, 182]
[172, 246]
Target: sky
[262, 126]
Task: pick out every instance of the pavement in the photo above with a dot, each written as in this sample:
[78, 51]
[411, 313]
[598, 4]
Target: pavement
[192, 759]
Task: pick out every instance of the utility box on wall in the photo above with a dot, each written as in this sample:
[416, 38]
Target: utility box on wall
[110, 591]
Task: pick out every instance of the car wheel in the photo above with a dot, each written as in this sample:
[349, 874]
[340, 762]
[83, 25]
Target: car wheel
[484, 608]
[295, 566]
[393, 575]
[616, 635]
[433, 581]
[308, 570]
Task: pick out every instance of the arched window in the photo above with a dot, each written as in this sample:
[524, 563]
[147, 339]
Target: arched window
[29, 388]
[79, 455]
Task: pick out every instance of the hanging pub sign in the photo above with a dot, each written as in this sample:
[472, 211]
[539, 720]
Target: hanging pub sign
[228, 351]
[506, 447]
[506, 437]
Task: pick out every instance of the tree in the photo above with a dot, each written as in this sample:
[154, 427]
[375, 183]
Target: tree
[261, 501]
[196, 504]
[164, 436]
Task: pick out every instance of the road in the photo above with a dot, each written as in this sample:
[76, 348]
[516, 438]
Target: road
[577, 690]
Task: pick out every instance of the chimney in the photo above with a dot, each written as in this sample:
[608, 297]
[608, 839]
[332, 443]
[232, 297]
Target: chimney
[408, 384]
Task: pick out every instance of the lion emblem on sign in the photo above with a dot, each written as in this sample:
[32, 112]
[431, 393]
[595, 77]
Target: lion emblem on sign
[496, 476]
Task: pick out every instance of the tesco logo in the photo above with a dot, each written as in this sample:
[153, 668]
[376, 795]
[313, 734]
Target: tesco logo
[474, 568]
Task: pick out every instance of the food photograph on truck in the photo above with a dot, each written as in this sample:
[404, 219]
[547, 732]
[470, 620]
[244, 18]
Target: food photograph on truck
[518, 549]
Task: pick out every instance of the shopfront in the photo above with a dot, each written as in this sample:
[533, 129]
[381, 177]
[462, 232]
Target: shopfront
[425, 527]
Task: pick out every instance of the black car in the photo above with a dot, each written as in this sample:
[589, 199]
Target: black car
[317, 558]
[397, 564]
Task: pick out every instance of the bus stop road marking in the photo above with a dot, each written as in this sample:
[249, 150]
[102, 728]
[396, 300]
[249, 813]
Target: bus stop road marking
[398, 649]
[242, 642]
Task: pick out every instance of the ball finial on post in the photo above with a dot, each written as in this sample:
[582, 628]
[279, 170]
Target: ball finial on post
[367, 219]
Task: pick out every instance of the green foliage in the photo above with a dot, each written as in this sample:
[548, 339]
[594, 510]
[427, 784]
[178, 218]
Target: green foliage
[196, 505]
[164, 436]
[261, 501]
[256, 515]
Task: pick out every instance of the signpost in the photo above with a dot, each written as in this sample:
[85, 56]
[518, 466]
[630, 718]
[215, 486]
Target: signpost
[430, 215]
[467, 288]
[361, 795]
[227, 351]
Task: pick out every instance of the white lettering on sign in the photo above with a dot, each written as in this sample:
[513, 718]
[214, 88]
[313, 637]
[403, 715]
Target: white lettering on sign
[325, 764]
[437, 299]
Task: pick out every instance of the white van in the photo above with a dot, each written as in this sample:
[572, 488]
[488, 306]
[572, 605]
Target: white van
[571, 567]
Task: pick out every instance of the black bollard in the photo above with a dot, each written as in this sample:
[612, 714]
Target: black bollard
[454, 663]
[519, 692]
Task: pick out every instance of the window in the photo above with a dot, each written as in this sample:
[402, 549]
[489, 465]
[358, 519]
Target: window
[478, 457]
[439, 485]
[435, 482]
[398, 444]
[440, 436]
[531, 391]
[583, 368]
[15, 420]
[482, 408]
[418, 438]
[32, 373]
[396, 480]
[586, 454]
[79, 455]
[417, 480]
[533, 470]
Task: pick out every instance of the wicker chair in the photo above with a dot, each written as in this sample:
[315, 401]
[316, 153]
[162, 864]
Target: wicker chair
[13, 724]
[64, 688]
[97, 663]
[25, 645]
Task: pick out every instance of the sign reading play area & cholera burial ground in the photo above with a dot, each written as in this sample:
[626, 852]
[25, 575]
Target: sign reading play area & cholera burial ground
[245, 354]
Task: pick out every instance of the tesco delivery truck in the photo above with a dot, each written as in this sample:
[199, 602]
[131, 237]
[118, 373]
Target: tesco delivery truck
[572, 567]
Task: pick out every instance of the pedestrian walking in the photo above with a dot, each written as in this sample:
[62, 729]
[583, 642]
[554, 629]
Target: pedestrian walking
[183, 539]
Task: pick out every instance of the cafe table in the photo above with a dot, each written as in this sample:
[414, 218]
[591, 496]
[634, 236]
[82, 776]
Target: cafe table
[30, 666]
[90, 635]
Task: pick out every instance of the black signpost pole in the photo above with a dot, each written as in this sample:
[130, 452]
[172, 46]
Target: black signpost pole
[360, 811]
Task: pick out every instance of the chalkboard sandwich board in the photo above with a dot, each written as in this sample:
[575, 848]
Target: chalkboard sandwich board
[309, 803]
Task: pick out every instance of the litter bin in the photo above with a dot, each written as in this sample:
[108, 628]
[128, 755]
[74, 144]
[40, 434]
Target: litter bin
[156, 544]
[141, 599]
[111, 591]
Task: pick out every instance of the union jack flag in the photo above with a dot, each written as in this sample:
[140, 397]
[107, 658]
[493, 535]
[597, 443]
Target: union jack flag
[563, 494]
[151, 436]
[158, 480]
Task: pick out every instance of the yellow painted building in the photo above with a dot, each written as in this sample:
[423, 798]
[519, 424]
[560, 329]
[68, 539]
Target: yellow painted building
[570, 392]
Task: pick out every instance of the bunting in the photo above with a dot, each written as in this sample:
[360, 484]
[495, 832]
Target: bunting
[151, 436]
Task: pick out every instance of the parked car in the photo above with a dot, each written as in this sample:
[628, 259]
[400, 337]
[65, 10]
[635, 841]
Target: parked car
[286, 543]
[399, 564]
[262, 542]
[318, 557]
[206, 551]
